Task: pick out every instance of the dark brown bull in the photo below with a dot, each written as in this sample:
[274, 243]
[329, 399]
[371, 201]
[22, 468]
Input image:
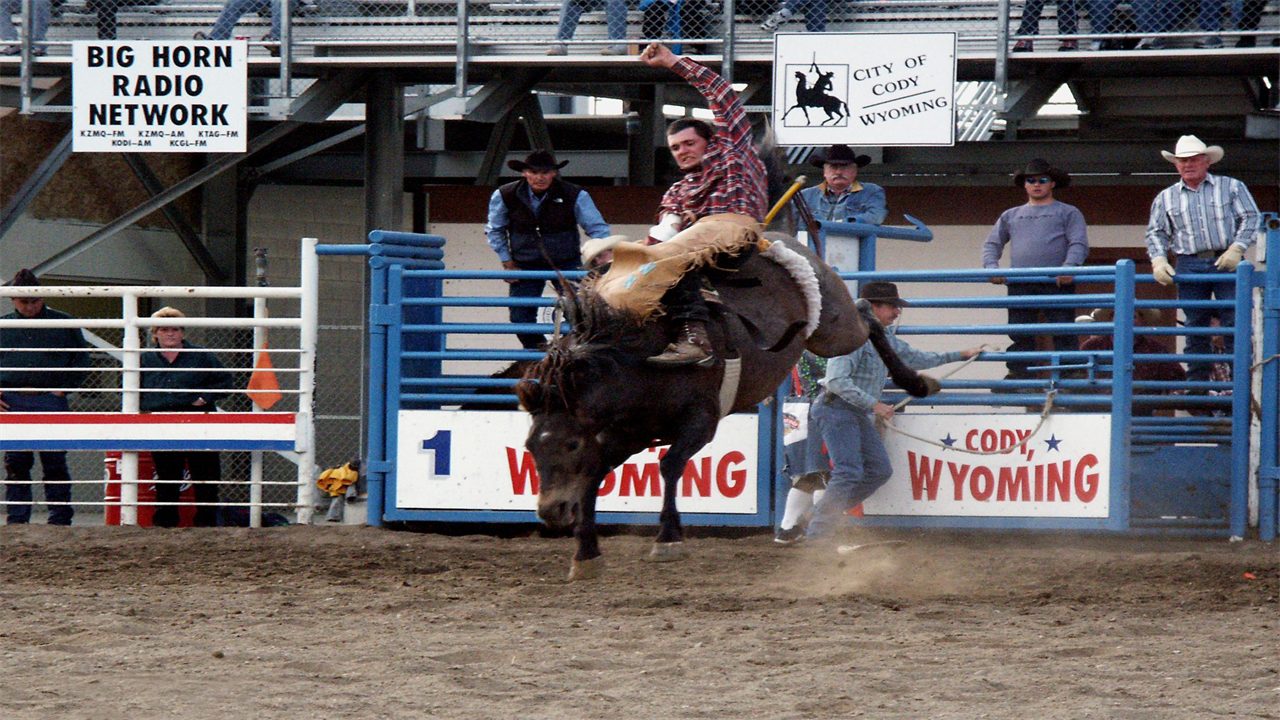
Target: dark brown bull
[595, 402]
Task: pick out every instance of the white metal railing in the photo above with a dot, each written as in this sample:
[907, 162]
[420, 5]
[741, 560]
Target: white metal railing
[130, 351]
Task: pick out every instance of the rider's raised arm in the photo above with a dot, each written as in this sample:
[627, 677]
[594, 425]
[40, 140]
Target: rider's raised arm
[731, 119]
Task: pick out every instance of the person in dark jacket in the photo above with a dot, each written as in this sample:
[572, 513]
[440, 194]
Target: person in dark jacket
[192, 382]
[54, 356]
[533, 225]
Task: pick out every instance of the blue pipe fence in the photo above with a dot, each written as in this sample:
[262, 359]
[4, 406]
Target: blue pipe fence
[409, 342]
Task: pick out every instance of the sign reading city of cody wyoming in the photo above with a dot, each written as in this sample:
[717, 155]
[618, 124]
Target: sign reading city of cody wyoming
[864, 89]
[139, 96]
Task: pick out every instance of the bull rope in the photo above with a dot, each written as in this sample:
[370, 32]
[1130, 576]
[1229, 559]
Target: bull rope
[1044, 416]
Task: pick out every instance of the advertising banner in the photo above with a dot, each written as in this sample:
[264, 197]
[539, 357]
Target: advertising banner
[467, 460]
[864, 89]
[142, 96]
[1062, 471]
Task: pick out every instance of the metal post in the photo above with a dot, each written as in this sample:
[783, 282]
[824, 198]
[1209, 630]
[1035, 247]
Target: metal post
[1122, 396]
[309, 315]
[464, 30]
[376, 466]
[130, 381]
[1001, 74]
[394, 367]
[28, 17]
[1269, 455]
[286, 49]
[1241, 384]
[730, 35]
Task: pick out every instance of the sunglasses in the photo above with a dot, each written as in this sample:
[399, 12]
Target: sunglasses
[1038, 180]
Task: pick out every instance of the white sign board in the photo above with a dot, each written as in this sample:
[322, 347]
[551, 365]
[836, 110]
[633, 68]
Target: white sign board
[864, 89]
[1062, 471]
[136, 96]
[467, 460]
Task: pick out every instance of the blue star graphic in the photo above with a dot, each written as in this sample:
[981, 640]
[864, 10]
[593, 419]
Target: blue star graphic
[948, 440]
[1053, 443]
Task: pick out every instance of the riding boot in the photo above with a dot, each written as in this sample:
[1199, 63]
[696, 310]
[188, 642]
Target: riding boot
[691, 348]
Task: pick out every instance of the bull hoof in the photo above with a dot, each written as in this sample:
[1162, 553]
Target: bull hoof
[667, 552]
[586, 569]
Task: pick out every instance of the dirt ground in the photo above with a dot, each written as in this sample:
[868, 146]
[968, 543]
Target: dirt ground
[357, 622]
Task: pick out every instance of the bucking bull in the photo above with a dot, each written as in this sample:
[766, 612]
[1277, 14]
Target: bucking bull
[595, 402]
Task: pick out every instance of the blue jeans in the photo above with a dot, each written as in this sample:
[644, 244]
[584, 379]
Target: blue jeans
[815, 13]
[615, 15]
[532, 289]
[1153, 16]
[1200, 317]
[1030, 24]
[1023, 342]
[18, 465]
[39, 16]
[860, 464]
[1100, 14]
[234, 9]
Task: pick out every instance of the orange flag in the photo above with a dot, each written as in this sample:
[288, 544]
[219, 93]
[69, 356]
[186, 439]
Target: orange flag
[264, 388]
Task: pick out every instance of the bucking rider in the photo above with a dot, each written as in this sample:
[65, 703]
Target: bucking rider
[712, 215]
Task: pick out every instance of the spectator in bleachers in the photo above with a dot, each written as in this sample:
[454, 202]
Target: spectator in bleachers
[1030, 25]
[615, 17]
[40, 10]
[841, 197]
[1153, 17]
[1210, 21]
[1250, 19]
[1043, 233]
[1200, 218]
[815, 15]
[192, 381]
[1101, 14]
[42, 388]
[235, 9]
[533, 225]
[693, 21]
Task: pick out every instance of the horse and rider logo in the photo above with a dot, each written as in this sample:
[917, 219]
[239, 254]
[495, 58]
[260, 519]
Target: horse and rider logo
[818, 87]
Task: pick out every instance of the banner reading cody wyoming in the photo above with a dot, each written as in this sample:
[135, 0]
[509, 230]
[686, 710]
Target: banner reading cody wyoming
[1062, 471]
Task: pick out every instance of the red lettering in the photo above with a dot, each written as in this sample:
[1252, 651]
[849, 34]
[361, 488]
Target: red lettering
[523, 474]
[636, 480]
[982, 483]
[1026, 449]
[692, 478]
[1039, 483]
[958, 474]
[1059, 481]
[924, 477]
[970, 440]
[1011, 480]
[1008, 440]
[607, 486]
[990, 441]
[731, 484]
[1086, 485]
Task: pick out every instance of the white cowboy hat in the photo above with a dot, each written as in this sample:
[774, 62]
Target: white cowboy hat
[1190, 146]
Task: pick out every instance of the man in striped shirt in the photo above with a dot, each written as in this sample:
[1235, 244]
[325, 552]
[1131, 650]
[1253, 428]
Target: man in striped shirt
[1208, 221]
[719, 203]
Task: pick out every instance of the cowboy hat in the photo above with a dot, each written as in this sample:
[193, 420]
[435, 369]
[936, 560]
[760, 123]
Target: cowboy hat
[537, 160]
[882, 292]
[1039, 167]
[1190, 146]
[839, 155]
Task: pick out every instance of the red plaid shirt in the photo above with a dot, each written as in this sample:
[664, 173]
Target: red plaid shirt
[732, 177]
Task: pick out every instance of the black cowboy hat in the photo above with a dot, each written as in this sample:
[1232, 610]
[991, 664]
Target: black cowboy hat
[1042, 167]
[840, 155]
[882, 292]
[537, 160]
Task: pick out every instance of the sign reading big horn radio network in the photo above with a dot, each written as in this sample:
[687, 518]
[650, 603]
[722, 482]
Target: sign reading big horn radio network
[136, 96]
[864, 89]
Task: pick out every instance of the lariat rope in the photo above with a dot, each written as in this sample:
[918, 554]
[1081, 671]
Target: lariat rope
[1044, 416]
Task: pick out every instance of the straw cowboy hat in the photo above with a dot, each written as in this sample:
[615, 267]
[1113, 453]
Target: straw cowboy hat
[1039, 167]
[537, 160]
[1190, 146]
[839, 155]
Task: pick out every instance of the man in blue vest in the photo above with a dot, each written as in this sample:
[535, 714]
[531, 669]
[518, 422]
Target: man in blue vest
[533, 225]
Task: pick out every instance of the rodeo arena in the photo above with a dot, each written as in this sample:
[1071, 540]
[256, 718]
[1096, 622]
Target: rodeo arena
[616, 359]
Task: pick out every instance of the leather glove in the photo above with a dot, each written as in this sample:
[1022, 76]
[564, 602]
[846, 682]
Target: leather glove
[1162, 271]
[1229, 259]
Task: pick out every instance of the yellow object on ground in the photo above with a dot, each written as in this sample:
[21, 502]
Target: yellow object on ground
[336, 480]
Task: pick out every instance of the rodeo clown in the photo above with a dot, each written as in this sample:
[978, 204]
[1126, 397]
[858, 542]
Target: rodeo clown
[711, 215]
